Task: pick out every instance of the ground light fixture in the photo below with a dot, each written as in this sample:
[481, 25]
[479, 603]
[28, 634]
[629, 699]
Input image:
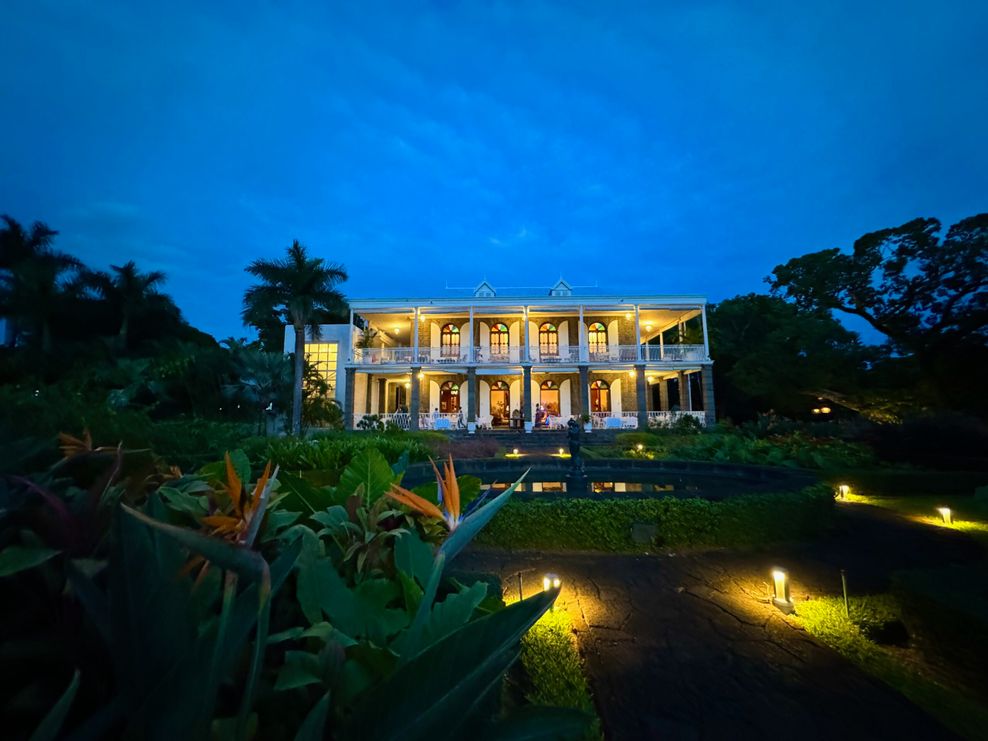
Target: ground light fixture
[780, 586]
[843, 490]
[640, 447]
[514, 451]
[561, 451]
[551, 581]
[947, 515]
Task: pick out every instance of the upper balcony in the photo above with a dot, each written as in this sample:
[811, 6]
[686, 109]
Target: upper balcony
[538, 355]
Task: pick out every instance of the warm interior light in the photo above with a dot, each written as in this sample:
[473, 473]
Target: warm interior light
[408, 384]
[780, 584]
[551, 581]
[947, 515]
[397, 330]
[419, 375]
[842, 491]
[631, 374]
[628, 316]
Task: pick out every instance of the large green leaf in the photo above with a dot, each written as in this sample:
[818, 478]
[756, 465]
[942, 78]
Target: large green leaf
[15, 558]
[50, 726]
[448, 615]
[427, 696]
[470, 526]
[370, 468]
[414, 556]
[300, 669]
[299, 495]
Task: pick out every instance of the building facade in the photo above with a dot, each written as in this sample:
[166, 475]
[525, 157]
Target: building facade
[490, 360]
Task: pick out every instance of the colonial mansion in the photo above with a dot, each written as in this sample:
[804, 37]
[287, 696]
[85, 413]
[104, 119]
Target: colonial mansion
[509, 359]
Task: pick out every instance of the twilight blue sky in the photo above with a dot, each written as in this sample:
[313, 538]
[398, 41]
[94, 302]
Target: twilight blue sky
[664, 147]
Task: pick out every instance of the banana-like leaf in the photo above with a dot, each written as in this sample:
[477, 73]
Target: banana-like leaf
[370, 469]
[414, 557]
[427, 695]
[48, 729]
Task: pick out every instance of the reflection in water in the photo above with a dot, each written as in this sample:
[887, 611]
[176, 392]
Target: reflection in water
[597, 487]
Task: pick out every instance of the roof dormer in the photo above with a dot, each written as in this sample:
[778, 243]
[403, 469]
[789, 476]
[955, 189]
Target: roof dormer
[562, 288]
[484, 290]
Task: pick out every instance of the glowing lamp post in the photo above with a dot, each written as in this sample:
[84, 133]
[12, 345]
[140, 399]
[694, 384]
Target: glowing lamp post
[946, 514]
[780, 585]
[562, 452]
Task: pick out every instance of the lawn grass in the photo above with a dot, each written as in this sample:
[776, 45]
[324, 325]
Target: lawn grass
[550, 657]
[969, 513]
[825, 619]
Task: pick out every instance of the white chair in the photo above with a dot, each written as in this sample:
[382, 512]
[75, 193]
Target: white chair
[613, 423]
[484, 421]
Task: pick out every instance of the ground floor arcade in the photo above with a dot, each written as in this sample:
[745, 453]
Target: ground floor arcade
[527, 397]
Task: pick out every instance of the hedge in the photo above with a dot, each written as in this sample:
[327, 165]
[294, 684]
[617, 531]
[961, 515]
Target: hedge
[606, 524]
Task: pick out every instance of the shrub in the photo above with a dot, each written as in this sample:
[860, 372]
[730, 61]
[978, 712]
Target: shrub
[332, 452]
[606, 524]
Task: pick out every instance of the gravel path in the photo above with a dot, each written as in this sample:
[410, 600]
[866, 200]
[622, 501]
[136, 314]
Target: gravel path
[688, 646]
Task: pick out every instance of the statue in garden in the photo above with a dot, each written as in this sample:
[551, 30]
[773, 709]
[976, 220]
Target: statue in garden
[573, 433]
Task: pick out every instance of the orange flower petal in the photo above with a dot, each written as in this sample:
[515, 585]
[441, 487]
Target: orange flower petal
[452, 491]
[414, 501]
[233, 485]
[259, 488]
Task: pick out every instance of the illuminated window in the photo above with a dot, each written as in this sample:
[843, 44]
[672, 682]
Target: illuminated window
[600, 396]
[449, 398]
[548, 339]
[500, 402]
[549, 397]
[499, 339]
[597, 338]
[322, 357]
[449, 341]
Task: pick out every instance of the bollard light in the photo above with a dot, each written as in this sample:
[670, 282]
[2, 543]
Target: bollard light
[780, 584]
[843, 490]
[551, 581]
[514, 451]
[639, 447]
[561, 452]
[947, 515]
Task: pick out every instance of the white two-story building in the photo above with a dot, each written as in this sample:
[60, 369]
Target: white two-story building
[493, 359]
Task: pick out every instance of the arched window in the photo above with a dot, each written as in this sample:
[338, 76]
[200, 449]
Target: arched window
[401, 398]
[449, 341]
[549, 397]
[600, 396]
[499, 339]
[449, 398]
[548, 339]
[500, 403]
[597, 338]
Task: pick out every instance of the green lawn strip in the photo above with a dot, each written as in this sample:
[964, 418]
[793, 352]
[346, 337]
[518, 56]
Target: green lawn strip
[969, 514]
[608, 524]
[824, 618]
[552, 662]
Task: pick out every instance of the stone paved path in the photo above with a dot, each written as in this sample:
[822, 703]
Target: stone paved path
[688, 647]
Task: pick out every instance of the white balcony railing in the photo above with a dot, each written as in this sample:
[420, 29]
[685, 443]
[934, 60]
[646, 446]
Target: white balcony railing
[402, 420]
[549, 354]
[441, 421]
[536, 354]
[673, 353]
[614, 420]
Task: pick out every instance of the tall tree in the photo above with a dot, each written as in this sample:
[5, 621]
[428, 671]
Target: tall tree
[301, 291]
[928, 296]
[130, 292]
[36, 281]
[19, 245]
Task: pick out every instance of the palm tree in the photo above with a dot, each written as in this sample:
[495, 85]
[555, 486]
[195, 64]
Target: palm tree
[301, 291]
[18, 245]
[36, 280]
[130, 292]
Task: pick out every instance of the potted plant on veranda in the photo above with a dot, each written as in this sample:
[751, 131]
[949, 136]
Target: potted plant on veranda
[587, 424]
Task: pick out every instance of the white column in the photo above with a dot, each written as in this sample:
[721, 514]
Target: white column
[526, 356]
[706, 341]
[638, 332]
[662, 346]
[584, 349]
[349, 334]
[470, 351]
[415, 338]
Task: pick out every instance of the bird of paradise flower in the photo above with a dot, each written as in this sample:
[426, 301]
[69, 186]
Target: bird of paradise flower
[447, 494]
